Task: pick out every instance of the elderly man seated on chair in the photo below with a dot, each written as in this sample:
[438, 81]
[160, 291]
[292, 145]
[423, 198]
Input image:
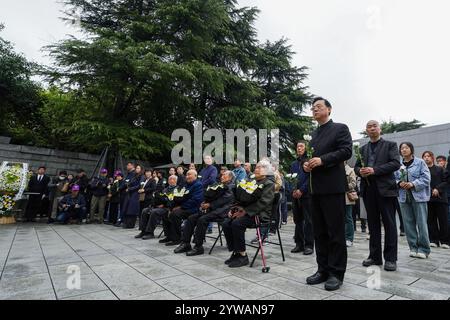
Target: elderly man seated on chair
[190, 197]
[254, 198]
[151, 216]
[218, 200]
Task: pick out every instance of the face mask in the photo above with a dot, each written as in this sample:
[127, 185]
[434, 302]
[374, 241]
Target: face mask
[61, 177]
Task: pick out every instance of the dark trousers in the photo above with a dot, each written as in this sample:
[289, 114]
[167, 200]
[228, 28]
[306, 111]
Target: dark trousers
[172, 223]
[151, 217]
[381, 208]
[113, 211]
[399, 211]
[234, 231]
[129, 222]
[357, 214]
[34, 207]
[197, 224]
[438, 222]
[304, 235]
[328, 219]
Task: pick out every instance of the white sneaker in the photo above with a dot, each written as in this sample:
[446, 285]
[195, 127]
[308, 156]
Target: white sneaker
[349, 243]
[421, 255]
[413, 254]
[433, 245]
[445, 246]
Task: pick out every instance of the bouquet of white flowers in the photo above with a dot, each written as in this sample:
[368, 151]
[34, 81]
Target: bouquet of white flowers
[13, 181]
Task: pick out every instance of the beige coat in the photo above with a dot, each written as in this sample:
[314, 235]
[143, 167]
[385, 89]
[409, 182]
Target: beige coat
[351, 180]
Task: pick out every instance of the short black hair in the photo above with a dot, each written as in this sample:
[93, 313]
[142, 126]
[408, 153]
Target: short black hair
[441, 158]
[80, 171]
[327, 103]
[42, 167]
[409, 144]
[63, 172]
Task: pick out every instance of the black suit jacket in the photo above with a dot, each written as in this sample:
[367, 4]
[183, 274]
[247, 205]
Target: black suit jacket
[387, 161]
[332, 142]
[39, 187]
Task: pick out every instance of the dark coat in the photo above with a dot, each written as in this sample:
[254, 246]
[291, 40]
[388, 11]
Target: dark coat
[439, 181]
[221, 199]
[387, 161]
[99, 186]
[332, 142]
[39, 187]
[194, 197]
[132, 184]
[260, 201]
[302, 176]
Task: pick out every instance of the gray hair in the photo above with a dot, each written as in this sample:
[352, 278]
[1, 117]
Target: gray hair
[266, 166]
[230, 174]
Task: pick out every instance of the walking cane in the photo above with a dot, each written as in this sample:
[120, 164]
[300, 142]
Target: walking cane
[265, 268]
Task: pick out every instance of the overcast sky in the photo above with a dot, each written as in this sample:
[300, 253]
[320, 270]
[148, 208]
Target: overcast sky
[373, 59]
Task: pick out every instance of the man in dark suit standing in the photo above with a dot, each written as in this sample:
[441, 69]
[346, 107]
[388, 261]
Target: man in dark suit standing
[38, 186]
[332, 143]
[379, 192]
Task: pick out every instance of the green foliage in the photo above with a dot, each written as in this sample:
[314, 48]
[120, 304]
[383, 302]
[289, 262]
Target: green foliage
[145, 68]
[19, 95]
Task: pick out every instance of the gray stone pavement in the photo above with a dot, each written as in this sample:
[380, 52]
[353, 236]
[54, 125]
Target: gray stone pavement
[35, 260]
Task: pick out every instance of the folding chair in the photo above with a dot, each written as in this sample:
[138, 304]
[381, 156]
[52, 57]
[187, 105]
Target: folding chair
[265, 226]
[219, 237]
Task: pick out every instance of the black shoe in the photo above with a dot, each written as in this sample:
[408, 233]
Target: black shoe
[308, 251]
[332, 283]
[297, 249]
[209, 231]
[140, 235]
[183, 247]
[50, 221]
[239, 261]
[173, 243]
[316, 278]
[165, 240]
[233, 256]
[390, 266]
[363, 230]
[402, 233]
[370, 262]
[196, 251]
[148, 236]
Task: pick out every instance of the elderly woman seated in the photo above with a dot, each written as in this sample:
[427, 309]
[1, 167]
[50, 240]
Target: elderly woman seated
[253, 198]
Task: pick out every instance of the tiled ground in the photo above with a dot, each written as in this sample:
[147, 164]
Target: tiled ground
[34, 260]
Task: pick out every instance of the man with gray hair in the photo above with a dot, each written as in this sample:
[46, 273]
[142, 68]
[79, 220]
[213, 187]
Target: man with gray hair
[253, 199]
[218, 199]
[380, 159]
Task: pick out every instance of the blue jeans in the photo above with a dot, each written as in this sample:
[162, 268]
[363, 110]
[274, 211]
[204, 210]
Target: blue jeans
[349, 228]
[415, 216]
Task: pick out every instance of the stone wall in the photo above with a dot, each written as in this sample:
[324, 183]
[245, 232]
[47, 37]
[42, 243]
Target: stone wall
[54, 160]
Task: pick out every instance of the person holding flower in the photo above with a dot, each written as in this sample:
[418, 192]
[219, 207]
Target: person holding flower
[414, 180]
[332, 145]
[301, 205]
[376, 164]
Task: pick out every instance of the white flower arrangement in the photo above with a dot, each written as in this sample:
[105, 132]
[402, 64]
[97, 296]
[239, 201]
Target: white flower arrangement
[307, 137]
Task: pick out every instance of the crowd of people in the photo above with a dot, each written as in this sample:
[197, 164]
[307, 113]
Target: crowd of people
[328, 195]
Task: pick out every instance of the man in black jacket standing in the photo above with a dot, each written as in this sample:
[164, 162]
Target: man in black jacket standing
[379, 192]
[332, 143]
[38, 187]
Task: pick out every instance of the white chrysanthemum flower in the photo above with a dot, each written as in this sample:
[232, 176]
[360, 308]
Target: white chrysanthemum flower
[356, 144]
[307, 137]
